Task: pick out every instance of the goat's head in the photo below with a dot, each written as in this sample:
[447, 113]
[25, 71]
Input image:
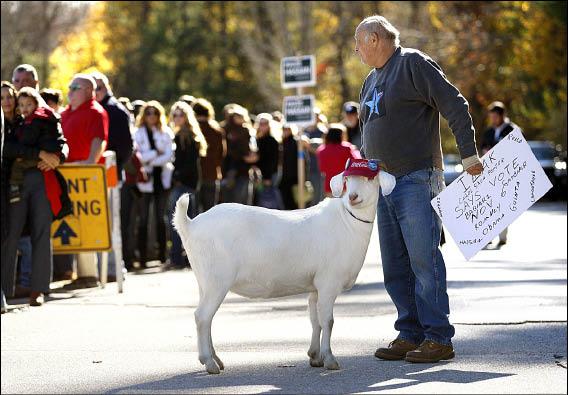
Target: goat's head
[358, 186]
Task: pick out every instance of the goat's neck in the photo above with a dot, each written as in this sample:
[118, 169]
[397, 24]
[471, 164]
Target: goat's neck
[368, 213]
[363, 214]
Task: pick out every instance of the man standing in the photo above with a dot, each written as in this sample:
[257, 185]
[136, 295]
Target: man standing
[85, 126]
[25, 75]
[501, 126]
[119, 122]
[401, 101]
[119, 141]
[351, 122]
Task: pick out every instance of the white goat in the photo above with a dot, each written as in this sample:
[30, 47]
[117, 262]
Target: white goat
[262, 253]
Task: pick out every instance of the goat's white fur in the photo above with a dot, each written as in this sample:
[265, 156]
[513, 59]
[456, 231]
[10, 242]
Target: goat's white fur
[261, 253]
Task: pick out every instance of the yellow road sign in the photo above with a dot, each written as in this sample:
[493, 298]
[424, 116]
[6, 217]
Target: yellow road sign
[88, 228]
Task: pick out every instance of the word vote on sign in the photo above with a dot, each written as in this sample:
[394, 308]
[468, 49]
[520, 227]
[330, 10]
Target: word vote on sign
[88, 228]
[475, 209]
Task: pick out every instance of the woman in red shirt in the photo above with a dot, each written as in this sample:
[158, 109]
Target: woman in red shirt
[333, 154]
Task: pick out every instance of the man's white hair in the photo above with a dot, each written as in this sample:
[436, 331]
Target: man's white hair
[86, 77]
[378, 24]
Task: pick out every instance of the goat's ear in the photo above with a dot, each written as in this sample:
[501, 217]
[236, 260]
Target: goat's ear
[387, 182]
[336, 184]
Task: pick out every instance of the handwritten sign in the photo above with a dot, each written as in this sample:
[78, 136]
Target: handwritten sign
[475, 209]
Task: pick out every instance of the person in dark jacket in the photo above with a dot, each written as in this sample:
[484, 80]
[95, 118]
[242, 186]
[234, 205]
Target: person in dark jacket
[240, 137]
[289, 178]
[119, 140]
[190, 146]
[501, 126]
[268, 148]
[351, 122]
[12, 119]
[268, 159]
[211, 173]
[38, 202]
[119, 122]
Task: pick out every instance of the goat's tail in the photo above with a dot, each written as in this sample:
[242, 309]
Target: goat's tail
[181, 218]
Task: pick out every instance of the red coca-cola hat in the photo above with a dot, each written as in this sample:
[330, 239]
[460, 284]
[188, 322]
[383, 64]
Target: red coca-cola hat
[361, 167]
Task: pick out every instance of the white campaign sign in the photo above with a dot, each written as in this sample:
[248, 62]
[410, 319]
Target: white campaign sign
[475, 209]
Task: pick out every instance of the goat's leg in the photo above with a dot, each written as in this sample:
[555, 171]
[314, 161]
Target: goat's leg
[208, 305]
[325, 315]
[314, 352]
[215, 357]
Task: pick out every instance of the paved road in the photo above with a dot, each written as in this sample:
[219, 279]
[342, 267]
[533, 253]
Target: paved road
[508, 306]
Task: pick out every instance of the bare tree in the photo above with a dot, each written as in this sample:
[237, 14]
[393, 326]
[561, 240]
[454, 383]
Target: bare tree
[32, 29]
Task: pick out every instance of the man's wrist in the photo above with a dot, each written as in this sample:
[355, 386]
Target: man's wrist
[470, 161]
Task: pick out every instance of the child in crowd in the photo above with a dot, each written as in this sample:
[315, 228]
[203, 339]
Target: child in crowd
[40, 130]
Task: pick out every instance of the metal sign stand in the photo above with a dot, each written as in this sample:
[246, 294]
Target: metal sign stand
[301, 162]
[116, 237]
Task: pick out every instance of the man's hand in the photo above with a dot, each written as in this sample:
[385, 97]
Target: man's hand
[43, 166]
[475, 169]
[50, 160]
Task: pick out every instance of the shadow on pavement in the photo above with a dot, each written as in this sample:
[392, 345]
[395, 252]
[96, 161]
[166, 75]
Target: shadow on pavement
[508, 348]
[359, 374]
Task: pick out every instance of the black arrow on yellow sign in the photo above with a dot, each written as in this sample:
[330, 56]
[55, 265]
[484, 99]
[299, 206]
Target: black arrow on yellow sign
[65, 232]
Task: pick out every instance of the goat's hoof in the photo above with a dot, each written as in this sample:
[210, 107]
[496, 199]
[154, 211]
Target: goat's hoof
[331, 364]
[316, 362]
[212, 367]
[219, 363]
[313, 353]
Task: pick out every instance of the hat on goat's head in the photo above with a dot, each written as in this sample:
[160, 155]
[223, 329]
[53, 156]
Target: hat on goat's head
[361, 167]
[353, 167]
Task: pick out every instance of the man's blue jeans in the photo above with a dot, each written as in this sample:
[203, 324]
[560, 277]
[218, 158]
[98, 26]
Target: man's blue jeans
[413, 266]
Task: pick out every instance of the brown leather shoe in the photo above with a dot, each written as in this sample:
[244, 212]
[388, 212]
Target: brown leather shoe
[36, 298]
[429, 352]
[396, 350]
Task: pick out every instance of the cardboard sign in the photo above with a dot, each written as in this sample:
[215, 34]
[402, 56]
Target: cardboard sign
[298, 71]
[88, 228]
[476, 209]
[299, 110]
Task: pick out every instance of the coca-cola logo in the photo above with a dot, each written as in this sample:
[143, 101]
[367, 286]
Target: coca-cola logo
[359, 164]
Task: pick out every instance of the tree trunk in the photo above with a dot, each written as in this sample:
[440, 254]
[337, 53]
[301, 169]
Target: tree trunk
[224, 47]
[342, 43]
[306, 27]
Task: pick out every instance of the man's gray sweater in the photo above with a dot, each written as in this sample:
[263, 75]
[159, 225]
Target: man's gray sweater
[401, 104]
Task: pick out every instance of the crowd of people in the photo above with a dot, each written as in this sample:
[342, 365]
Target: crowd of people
[244, 158]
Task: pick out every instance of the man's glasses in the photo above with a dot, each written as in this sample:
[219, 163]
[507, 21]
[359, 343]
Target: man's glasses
[99, 88]
[151, 112]
[74, 87]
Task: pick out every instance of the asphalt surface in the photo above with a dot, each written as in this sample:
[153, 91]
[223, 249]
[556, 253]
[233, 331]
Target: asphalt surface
[508, 307]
